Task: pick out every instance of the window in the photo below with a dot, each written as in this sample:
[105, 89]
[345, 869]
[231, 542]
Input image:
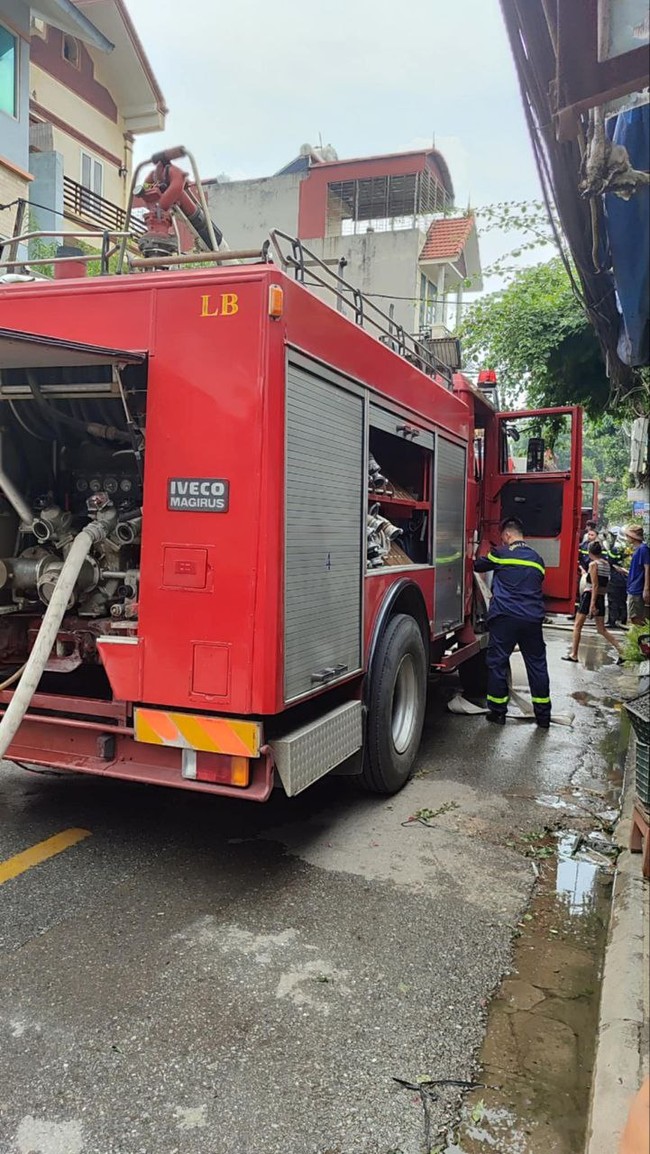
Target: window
[8, 73]
[589, 497]
[384, 202]
[536, 444]
[71, 50]
[428, 294]
[92, 182]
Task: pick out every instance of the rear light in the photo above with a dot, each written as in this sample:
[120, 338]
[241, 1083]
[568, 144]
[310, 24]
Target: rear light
[223, 769]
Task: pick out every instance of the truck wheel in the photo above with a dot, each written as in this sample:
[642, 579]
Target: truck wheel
[473, 675]
[397, 705]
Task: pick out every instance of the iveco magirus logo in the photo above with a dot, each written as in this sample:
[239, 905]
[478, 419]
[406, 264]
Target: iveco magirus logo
[198, 494]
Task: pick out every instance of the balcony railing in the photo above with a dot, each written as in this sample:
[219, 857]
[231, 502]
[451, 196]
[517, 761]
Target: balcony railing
[94, 210]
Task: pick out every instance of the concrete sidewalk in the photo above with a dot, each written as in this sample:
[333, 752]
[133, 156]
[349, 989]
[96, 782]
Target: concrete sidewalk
[622, 1058]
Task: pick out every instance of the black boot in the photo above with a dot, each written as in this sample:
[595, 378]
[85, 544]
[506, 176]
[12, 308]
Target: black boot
[496, 718]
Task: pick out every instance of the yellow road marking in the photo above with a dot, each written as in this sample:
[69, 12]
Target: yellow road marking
[40, 852]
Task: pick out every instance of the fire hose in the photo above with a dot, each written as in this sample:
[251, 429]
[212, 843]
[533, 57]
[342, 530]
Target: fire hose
[39, 656]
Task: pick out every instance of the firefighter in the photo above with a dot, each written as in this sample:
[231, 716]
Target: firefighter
[617, 588]
[515, 618]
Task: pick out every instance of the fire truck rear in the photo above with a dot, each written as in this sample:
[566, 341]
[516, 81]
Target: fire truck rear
[237, 528]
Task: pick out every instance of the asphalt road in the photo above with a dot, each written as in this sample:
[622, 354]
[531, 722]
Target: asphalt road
[200, 976]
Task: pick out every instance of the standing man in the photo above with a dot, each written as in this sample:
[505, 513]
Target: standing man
[617, 588]
[515, 618]
[638, 578]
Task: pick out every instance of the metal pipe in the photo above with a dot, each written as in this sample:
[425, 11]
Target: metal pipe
[14, 496]
[83, 258]
[204, 204]
[127, 215]
[103, 432]
[46, 636]
[161, 262]
[128, 532]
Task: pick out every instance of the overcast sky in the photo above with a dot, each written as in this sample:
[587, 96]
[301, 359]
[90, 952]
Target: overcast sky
[248, 82]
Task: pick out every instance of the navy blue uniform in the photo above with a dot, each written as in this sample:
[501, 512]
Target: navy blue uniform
[583, 554]
[515, 618]
[617, 588]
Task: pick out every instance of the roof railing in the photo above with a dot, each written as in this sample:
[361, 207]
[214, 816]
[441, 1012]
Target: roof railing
[110, 244]
[308, 270]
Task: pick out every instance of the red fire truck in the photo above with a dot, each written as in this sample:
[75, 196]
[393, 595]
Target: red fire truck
[237, 524]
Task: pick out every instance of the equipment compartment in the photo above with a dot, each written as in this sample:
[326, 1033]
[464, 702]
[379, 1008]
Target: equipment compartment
[399, 498]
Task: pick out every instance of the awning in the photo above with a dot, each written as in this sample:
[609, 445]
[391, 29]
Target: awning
[34, 351]
[65, 15]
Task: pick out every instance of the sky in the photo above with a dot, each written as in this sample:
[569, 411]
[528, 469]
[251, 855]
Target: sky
[247, 83]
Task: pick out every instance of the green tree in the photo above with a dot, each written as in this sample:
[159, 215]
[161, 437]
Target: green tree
[537, 338]
[606, 457]
[618, 510]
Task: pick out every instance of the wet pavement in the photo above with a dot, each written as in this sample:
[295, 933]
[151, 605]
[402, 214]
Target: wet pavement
[200, 976]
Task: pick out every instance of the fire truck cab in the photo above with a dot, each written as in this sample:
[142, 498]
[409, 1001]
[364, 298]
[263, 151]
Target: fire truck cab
[239, 528]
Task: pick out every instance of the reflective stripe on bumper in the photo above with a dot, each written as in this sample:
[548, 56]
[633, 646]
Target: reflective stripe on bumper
[195, 731]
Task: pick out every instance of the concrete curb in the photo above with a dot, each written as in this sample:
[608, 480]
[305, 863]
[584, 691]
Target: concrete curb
[622, 1057]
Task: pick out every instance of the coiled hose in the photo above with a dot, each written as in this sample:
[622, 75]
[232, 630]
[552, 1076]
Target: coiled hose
[39, 656]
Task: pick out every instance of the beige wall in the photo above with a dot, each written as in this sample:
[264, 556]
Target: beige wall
[383, 265]
[69, 107]
[247, 210]
[12, 185]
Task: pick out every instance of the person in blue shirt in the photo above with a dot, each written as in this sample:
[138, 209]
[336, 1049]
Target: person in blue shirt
[638, 578]
[515, 618]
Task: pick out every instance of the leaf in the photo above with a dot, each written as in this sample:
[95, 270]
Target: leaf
[478, 1111]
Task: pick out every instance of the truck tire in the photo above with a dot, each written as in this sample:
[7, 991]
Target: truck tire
[398, 696]
[473, 675]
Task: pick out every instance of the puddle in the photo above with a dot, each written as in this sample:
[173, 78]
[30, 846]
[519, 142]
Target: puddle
[539, 1049]
[614, 743]
[576, 878]
[597, 656]
[583, 697]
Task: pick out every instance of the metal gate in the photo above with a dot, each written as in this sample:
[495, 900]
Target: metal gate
[324, 534]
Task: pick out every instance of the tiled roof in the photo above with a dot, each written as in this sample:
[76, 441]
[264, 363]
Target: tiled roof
[447, 238]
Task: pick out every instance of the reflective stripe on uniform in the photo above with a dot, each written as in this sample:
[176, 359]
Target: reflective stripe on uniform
[498, 700]
[541, 700]
[516, 561]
